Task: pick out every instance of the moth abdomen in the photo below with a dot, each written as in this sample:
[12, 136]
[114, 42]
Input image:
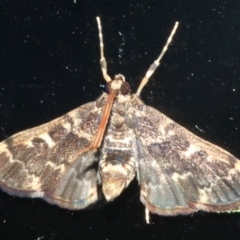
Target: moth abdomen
[116, 170]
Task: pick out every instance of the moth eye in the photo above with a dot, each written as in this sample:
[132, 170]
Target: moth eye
[108, 87]
[125, 88]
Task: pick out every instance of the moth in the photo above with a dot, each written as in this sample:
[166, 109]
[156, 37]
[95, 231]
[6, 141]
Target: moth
[93, 152]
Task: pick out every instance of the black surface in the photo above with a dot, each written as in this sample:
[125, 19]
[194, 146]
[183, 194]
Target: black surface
[50, 65]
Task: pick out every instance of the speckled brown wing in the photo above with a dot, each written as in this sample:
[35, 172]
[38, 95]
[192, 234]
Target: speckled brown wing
[41, 162]
[180, 173]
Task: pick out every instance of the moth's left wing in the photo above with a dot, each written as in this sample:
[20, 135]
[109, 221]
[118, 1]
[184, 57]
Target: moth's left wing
[43, 161]
[180, 173]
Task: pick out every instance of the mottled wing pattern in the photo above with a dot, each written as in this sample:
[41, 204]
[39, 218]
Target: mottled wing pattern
[42, 161]
[179, 173]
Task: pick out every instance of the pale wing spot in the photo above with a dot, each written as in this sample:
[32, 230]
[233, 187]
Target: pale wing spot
[203, 196]
[235, 170]
[56, 167]
[191, 149]
[162, 130]
[3, 147]
[35, 182]
[177, 176]
[29, 144]
[237, 167]
[171, 133]
[155, 164]
[67, 126]
[47, 139]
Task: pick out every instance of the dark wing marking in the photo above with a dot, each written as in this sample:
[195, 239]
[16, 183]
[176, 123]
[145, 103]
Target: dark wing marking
[41, 162]
[180, 173]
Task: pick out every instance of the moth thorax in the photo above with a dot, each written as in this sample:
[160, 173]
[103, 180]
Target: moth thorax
[115, 176]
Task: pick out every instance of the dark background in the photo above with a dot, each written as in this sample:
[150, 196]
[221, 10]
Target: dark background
[50, 65]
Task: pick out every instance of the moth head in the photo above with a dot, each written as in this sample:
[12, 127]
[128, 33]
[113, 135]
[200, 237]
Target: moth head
[119, 84]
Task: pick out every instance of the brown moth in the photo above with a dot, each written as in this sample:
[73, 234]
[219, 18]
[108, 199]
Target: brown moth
[93, 153]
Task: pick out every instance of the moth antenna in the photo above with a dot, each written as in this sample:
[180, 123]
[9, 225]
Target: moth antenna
[103, 62]
[156, 63]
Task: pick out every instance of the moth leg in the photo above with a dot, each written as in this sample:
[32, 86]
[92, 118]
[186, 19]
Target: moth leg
[147, 216]
[156, 63]
[103, 62]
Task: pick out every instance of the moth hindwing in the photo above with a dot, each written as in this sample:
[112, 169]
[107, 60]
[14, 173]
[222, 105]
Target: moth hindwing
[93, 153]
